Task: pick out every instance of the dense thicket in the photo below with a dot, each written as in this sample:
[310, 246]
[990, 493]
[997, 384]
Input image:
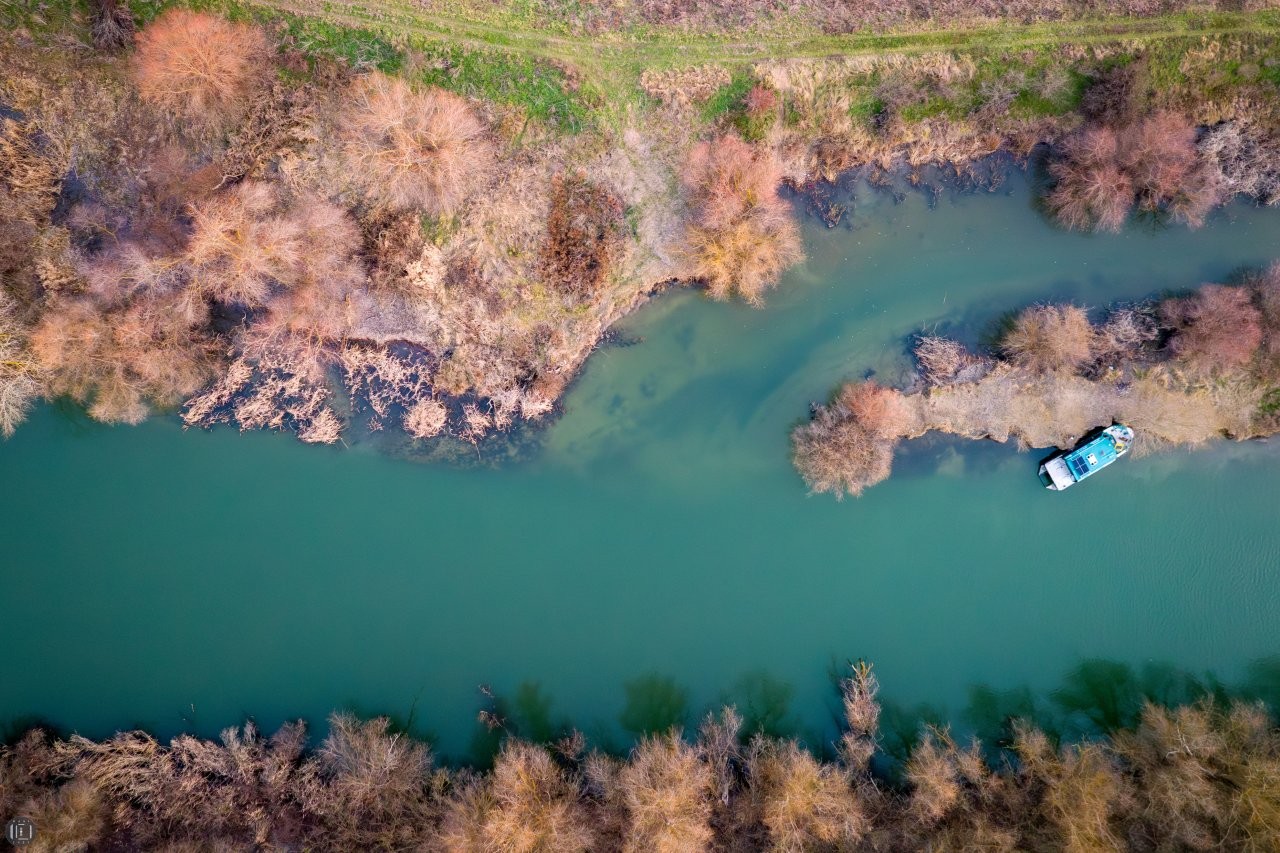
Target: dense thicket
[234, 220]
[1200, 777]
[1151, 163]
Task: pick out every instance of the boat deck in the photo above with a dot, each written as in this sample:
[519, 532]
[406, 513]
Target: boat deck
[1097, 454]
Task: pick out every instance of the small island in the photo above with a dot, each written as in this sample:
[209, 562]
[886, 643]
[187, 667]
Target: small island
[1181, 372]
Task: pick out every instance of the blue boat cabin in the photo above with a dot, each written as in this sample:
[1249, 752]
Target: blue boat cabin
[1098, 453]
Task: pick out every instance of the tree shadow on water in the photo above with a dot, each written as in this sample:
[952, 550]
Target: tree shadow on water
[1101, 696]
[15, 728]
[991, 714]
[531, 714]
[764, 702]
[1262, 682]
[526, 715]
[902, 726]
[655, 703]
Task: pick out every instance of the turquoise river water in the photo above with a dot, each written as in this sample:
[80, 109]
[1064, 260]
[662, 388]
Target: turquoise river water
[656, 554]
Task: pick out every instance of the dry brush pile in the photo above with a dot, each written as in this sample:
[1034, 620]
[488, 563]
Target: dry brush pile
[1200, 777]
[1182, 372]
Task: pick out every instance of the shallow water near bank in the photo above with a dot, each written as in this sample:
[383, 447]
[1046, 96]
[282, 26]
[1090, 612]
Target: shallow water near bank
[657, 554]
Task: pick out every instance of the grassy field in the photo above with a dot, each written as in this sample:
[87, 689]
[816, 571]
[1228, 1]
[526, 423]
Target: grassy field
[509, 55]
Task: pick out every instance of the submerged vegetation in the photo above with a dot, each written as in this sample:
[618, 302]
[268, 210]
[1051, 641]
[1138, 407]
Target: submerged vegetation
[304, 219]
[1201, 776]
[1181, 372]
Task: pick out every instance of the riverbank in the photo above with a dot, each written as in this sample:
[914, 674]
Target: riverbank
[461, 297]
[1179, 777]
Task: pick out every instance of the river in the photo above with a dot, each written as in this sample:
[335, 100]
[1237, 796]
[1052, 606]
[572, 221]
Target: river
[655, 554]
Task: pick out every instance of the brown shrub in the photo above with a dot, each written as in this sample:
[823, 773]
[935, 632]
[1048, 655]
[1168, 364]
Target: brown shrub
[1217, 328]
[135, 245]
[859, 694]
[246, 787]
[1050, 337]
[1244, 158]
[804, 804]
[761, 101]
[1125, 336]
[150, 350]
[1178, 754]
[1083, 792]
[278, 123]
[742, 236]
[248, 245]
[665, 790]
[113, 26]
[528, 806]
[584, 234]
[942, 361]
[1159, 154]
[414, 149]
[17, 266]
[939, 359]
[1092, 191]
[200, 67]
[728, 177]
[1153, 162]
[125, 270]
[849, 444]
[425, 419]
[883, 412]
[746, 257]
[836, 454]
[1268, 295]
[1200, 777]
[476, 423]
[19, 374]
[243, 246]
[377, 783]
[70, 818]
[28, 174]
[934, 776]
[1158, 151]
[321, 300]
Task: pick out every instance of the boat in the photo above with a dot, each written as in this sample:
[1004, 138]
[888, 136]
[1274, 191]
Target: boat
[1065, 469]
